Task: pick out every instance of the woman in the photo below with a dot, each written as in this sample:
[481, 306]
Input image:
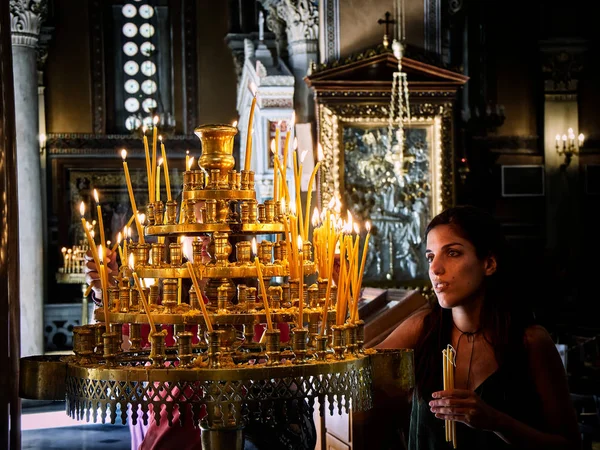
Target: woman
[510, 385]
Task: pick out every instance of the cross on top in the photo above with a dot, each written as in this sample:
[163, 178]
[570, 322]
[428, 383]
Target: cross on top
[387, 23]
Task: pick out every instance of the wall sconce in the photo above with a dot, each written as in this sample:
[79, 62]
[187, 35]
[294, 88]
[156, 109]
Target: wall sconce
[42, 139]
[566, 145]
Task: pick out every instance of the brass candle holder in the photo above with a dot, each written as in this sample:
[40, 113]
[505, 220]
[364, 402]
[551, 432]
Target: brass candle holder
[299, 344]
[175, 254]
[150, 214]
[110, 349]
[193, 296]
[214, 348]
[190, 213]
[273, 350]
[153, 296]
[222, 249]
[243, 252]
[141, 255]
[171, 207]
[274, 294]
[184, 348]
[157, 254]
[159, 213]
[157, 348]
[211, 211]
[321, 347]
[99, 332]
[135, 337]
[265, 252]
[360, 336]
[169, 300]
[338, 341]
[350, 335]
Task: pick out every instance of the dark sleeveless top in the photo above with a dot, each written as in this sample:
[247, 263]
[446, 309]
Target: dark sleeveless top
[507, 390]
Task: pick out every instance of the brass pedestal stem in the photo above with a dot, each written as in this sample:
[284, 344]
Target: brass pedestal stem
[338, 341]
[272, 343]
[299, 344]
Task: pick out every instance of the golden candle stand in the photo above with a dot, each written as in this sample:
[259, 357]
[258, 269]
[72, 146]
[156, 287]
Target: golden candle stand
[226, 379]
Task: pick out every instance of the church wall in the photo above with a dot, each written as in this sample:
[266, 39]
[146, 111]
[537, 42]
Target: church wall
[359, 29]
[216, 79]
[67, 70]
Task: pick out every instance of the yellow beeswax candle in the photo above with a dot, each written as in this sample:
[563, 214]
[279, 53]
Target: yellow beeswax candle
[132, 198]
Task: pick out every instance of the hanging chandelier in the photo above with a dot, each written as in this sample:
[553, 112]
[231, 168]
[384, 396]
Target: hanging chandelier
[399, 113]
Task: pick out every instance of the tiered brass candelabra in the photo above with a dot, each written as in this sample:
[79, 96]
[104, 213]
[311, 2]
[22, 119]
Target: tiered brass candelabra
[227, 375]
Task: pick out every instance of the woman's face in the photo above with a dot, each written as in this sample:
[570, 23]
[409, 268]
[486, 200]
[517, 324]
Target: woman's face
[457, 275]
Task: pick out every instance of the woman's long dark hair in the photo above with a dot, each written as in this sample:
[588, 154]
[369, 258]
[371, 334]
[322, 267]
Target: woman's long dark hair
[501, 320]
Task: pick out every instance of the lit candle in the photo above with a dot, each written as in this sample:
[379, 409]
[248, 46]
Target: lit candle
[138, 284]
[262, 286]
[234, 124]
[309, 196]
[187, 159]
[148, 163]
[124, 233]
[100, 220]
[119, 238]
[580, 138]
[190, 163]
[103, 282]
[300, 284]
[331, 244]
[64, 254]
[557, 140]
[153, 166]
[157, 198]
[88, 235]
[164, 159]
[361, 271]
[249, 131]
[131, 197]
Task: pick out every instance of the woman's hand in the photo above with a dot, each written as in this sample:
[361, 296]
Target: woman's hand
[92, 276]
[464, 406]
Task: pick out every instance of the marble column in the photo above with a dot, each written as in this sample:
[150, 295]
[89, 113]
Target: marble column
[26, 19]
[301, 19]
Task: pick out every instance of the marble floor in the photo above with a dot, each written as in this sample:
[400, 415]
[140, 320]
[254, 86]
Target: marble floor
[46, 426]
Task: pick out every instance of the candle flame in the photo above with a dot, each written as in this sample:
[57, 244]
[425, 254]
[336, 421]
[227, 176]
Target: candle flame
[131, 261]
[190, 163]
[123, 154]
[315, 217]
[187, 152]
[82, 209]
[273, 146]
[70, 251]
[160, 137]
[254, 246]
[155, 120]
[144, 129]
[119, 238]
[142, 218]
[160, 161]
[293, 119]
[581, 138]
[63, 250]
[558, 137]
[320, 153]
[300, 243]
[101, 254]
[302, 156]
[129, 232]
[108, 243]
[356, 230]
[295, 145]
[368, 226]
[282, 206]
[279, 123]
[96, 196]
[234, 124]
[253, 88]
[92, 234]
[293, 207]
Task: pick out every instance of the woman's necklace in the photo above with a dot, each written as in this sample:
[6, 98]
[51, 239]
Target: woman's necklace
[471, 339]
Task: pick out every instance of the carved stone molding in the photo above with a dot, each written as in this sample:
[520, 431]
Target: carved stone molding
[331, 35]
[300, 16]
[109, 145]
[26, 17]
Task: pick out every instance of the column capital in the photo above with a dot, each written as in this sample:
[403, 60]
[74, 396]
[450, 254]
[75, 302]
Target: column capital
[26, 17]
[301, 18]
[562, 64]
